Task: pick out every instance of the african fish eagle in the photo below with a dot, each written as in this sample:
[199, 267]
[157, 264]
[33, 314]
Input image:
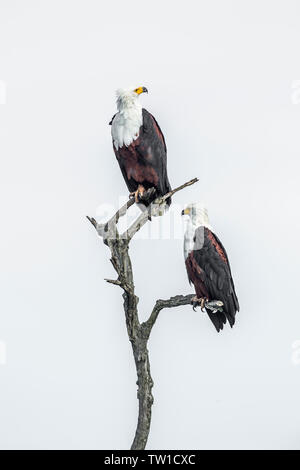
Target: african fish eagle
[140, 147]
[208, 266]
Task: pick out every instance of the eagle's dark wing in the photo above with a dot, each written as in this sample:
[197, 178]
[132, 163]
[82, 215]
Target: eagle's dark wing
[158, 129]
[209, 270]
[153, 148]
[144, 161]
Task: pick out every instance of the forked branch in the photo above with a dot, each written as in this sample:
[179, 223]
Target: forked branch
[153, 209]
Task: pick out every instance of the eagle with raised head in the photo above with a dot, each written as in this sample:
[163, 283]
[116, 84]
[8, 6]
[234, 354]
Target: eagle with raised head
[208, 267]
[140, 147]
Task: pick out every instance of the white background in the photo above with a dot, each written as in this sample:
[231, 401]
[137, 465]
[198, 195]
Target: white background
[222, 80]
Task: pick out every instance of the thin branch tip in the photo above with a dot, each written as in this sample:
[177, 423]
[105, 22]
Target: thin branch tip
[113, 281]
[92, 220]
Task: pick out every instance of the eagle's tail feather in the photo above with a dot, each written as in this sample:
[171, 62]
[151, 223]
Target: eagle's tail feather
[218, 319]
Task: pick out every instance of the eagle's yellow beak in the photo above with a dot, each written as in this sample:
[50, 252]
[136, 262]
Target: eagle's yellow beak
[186, 211]
[140, 90]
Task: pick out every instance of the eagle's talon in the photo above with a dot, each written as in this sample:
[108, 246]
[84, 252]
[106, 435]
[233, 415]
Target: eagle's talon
[203, 302]
[196, 302]
[138, 194]
[135, 195]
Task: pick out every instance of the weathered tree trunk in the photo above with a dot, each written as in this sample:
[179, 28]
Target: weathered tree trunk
[144, 394]
[138, 333]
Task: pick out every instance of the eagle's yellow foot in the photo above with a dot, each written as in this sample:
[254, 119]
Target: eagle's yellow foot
[196, 302]
[138, 193]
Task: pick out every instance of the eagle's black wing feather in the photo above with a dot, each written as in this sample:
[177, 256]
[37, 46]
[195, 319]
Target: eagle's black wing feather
[145, 112]
[234, 296]
[153, 150]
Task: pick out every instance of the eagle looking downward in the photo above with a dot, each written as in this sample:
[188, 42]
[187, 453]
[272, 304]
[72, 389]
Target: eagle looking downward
[140, 147]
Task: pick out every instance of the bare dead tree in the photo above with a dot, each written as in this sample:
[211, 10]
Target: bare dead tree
[138, 333]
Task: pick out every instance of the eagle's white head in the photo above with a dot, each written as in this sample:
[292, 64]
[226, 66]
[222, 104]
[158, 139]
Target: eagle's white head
[198, 214]
[127, 122]
[128, 98]
[197, 217]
